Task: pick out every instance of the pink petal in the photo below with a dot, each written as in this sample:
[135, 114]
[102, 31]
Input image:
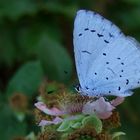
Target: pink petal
[100, 107]
[56, 112]
[104, 115]
[45, 122]
[57, 120]
[54, 121]
[53, 111]
[117, 101]
[103, 106]
[40, 105]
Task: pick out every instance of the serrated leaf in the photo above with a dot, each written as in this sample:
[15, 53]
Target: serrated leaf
[55, 60]
[26, 80]
[93, 120]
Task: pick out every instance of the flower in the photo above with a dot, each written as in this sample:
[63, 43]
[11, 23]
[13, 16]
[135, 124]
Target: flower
[100, 107]
[103, 109]
[56, 120]
[117, 101]
[53, 111]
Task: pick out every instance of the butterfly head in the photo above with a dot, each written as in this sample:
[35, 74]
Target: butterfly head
[86, 91]
[78, 88]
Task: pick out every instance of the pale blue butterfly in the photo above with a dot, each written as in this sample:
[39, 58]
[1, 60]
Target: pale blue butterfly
[107, 61]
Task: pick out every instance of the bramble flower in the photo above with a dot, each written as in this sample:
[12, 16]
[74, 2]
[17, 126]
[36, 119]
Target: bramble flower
[77, 116]
[56, 120]
[117, 101]
[103, 109]
[53, 111]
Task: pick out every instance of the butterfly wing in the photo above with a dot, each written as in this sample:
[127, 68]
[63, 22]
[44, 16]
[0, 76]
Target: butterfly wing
[104, 56]
[119, 70]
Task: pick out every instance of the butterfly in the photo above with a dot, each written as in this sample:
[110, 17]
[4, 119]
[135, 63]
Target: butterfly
[107, 61]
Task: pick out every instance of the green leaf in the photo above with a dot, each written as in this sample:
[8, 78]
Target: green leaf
[74, 122]
[28, 37]
[55, 60]
[7, 48]
[26, 80]
[61, 8]
[132, 1]
[17, 8]
[65, 126]
[116, 135]
[9, 126]
[76, 125]
[127, 16]
[93, 120]
[31, 136]
[20, 116]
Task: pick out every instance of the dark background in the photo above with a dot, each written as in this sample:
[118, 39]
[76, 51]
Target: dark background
[36, 42]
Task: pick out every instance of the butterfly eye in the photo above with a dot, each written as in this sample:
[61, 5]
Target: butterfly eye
[77, 88]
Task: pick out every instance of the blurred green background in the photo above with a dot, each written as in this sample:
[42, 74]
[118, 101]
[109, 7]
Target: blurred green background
[36, 43]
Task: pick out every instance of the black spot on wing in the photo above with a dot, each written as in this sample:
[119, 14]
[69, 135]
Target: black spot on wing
[86, 29]
[118, 58]
[86, 52]
[106, 78]
[119, 88]
[100, 35]
[111, 35]
[107, 62]
[104, 54]
[106, 41]
[80, 34]
[122, 63]
[93, 30]
[93, 89]
[127, 81]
